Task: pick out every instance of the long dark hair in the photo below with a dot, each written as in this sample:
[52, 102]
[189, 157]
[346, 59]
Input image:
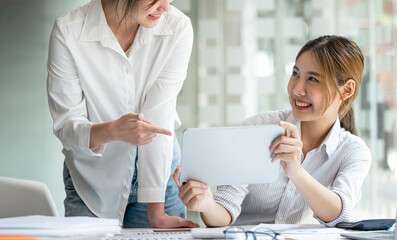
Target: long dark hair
[339, 59]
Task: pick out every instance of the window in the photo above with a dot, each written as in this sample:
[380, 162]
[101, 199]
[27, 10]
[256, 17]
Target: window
[243, 54]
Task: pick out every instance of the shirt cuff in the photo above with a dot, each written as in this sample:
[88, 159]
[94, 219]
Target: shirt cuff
[344, 215]
[96, 151]
[151, 195]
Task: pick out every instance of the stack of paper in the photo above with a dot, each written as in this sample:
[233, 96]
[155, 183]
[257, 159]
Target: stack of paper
[57, 226]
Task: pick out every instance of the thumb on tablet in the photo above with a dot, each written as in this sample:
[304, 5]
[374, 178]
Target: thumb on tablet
[177, 176]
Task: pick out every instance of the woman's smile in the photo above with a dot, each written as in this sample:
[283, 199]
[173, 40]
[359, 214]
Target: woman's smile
[302, 105]
[154, 17]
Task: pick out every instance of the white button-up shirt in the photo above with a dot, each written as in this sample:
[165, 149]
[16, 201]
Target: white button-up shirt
[340, 163]
[91, 80]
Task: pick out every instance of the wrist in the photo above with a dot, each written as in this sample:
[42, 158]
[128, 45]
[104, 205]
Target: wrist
[211, 208]
[154, 212]
[101, 133]
[110, 128]
[218, 216]
[299, 174]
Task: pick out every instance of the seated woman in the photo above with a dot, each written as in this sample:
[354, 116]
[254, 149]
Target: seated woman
[324, 162]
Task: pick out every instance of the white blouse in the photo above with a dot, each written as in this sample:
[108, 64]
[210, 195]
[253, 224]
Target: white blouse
[91, 80]
[340, 163]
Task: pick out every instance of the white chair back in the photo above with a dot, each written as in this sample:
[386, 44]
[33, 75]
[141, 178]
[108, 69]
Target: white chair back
[25, 197]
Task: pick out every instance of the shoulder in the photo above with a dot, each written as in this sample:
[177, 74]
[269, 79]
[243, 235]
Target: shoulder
[178, 22]
[75, 17]
[71, 23]
[353, 146]
[175, 13]
[267, 118]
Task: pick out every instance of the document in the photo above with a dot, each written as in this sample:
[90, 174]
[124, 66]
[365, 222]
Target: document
[45, 226]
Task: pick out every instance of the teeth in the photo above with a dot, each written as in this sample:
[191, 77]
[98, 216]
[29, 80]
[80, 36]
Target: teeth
[301, 104]
[154, 15]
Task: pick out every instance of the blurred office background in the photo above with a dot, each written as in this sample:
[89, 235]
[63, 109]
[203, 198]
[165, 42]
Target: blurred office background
[242, 58]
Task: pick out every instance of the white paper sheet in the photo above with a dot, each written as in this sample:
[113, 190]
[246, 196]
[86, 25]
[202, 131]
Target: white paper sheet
[57, 226]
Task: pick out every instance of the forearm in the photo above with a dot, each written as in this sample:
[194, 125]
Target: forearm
[325, 204]
[218, 216]
[101, 133]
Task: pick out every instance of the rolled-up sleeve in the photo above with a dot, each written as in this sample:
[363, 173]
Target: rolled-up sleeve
[349, 180]
[159, 107]
[231, 198]
[66, 99]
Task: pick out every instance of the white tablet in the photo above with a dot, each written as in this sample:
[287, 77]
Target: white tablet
[229, 155]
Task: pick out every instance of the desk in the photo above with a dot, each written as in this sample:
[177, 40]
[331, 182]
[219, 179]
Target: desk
[293, 231]
[79, 228]
[290, 231]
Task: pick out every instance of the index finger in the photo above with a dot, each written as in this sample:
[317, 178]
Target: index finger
[291, 128]
[190, 185]
[146, 121]
[157, 129]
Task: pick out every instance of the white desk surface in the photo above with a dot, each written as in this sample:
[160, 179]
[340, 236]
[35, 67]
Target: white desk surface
[292, 232]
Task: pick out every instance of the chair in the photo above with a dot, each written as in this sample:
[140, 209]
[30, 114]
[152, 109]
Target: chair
[25, 197]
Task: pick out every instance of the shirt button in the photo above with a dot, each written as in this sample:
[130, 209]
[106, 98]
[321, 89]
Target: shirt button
[280, 218]
[127, 71]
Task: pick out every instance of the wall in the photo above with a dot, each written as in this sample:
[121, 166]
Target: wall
[28, 148]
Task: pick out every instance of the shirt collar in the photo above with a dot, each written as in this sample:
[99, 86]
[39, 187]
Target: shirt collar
[95, 27]
[162, 28]
[331, 140]
[145, 35]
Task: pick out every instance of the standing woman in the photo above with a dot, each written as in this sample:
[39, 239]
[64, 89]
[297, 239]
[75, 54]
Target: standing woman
[324, 162]
[115, 68]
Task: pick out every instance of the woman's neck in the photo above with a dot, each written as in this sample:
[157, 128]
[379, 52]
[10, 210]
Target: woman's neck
[313, 133]
[123, 27]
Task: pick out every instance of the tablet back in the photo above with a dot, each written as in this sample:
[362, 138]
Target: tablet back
[230, 155]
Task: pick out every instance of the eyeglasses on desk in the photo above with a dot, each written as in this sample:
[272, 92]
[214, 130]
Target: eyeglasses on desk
[239, 233]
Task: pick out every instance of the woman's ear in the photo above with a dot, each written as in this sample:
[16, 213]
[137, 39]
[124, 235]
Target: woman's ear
[348, 89]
